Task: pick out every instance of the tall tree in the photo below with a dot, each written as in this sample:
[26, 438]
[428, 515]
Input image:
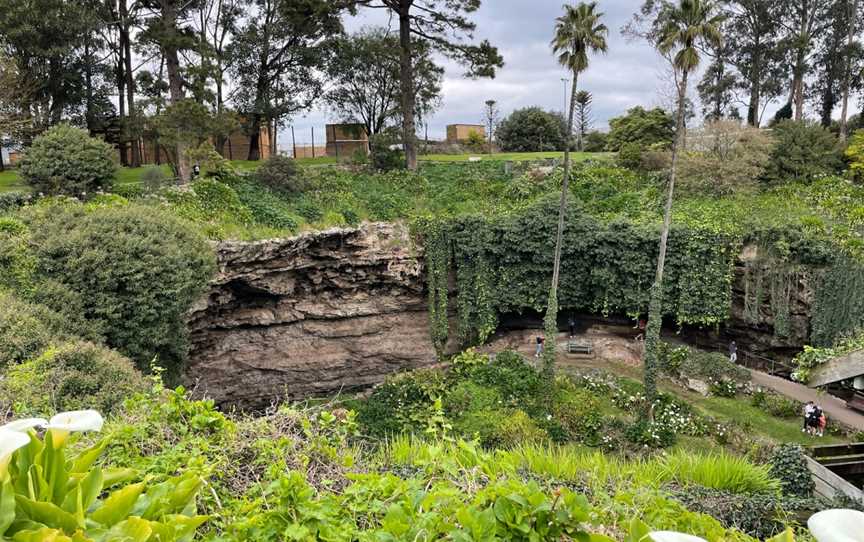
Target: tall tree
[577, 33]
[851, 51]
[717, 87]
[168, 28]
[583, 117]
[445, 27]
[276, 55]
[46, 43]
[686, 27]
[829, 61]
[753, 31]
[216, 24]
[803, 21]
[364, 79]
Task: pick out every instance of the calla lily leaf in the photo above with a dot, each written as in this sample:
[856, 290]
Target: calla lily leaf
[837, 525]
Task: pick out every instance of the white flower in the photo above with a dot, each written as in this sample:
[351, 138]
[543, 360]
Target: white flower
[672, 536]
[72, 422]
[836, 525]
[10, 441]
[22, 426]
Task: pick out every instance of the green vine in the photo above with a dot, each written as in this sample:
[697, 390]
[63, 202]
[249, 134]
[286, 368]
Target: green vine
[839, 302]
[438, 261]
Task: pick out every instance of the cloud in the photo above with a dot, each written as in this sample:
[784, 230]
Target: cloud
[522, 29]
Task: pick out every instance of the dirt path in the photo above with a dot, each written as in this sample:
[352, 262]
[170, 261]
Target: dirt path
[835, 408]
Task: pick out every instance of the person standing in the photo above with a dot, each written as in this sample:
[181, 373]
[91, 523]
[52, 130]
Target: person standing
[540, 341]
[733, 352]
[572, 324]
[808, 412]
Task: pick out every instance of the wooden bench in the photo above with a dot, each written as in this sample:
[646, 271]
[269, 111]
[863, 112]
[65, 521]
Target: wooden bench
[582, 348]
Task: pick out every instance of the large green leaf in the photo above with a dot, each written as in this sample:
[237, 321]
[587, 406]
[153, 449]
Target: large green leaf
[88, 457]
[7, 506]
[48, 514]
[131, 530]
[118, 505]
[44, 535]
[86, 491]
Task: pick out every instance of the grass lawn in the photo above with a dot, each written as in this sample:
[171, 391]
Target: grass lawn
[11, 182]
[515, 156]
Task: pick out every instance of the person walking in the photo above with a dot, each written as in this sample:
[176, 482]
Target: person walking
[540, 341]
[733, 352]
[572, 324]
[808, 412]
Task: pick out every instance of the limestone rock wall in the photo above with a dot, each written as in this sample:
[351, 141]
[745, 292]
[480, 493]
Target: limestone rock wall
[310, 315]
[343, 308]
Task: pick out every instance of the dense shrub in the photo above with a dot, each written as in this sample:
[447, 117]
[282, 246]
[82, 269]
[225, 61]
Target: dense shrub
[725, 158]
[790, 468]
[310, 211]
[137, 269]
[532, 130]
[266, 208]
[578, 413]
[640, 126]
[11, 201]
[384, 153]
[802, 151]
[758, 515]
[403, 402]
[66, 160]
[280, 173]
[516, 429]
[630, 156]
[25, 329]
[650, 434]
[594, 141]
[776, 404]
[517, 382]
[73, 376]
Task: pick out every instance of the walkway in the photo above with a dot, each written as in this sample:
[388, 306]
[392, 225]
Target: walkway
[835, 408]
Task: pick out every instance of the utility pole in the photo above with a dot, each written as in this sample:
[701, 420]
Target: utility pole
[313, 142]
[293, 142]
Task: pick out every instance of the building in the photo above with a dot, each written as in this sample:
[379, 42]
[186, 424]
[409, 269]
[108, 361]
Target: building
[459, 133]
[344, 140]
[236, 148]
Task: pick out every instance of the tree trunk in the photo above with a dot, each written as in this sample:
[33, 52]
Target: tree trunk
[175, 81]
[126, 43]
[406, 76]
[655, 307]
[255, 138]
[551, 320]
[220, 108]
[755, 89]
[121, 106]
[847, 72]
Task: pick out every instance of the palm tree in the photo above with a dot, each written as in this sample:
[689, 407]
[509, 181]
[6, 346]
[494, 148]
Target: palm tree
[684, 28]
[577, 33]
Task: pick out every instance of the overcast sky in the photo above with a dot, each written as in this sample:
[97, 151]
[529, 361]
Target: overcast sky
[630, 74]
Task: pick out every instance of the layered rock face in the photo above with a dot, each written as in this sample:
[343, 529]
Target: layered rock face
[342, 309]
[310, 315]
